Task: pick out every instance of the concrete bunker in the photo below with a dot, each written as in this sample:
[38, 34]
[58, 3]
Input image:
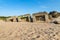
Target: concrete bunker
[25, 18]
[40, 17]
[12, 19]
[54, 17]
[9, 20]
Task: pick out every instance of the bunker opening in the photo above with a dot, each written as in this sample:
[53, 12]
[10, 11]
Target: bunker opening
[11, 20]
[40, 18]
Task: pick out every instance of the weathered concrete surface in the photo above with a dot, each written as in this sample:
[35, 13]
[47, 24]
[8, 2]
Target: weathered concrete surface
[29, 31]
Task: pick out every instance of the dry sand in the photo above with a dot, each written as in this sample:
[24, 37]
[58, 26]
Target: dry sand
[29, 31]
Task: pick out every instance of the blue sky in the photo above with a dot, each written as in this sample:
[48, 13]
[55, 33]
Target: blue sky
[20, 7]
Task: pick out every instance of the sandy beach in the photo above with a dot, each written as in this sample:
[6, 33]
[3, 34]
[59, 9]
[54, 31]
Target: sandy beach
[29, 31]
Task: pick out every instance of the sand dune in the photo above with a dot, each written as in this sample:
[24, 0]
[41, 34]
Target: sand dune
[29, 31]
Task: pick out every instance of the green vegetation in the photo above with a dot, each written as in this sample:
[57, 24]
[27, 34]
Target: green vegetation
[22, 16]
[3, 18]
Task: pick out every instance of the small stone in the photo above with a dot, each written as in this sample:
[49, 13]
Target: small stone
[38, 36]
[54, 35]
